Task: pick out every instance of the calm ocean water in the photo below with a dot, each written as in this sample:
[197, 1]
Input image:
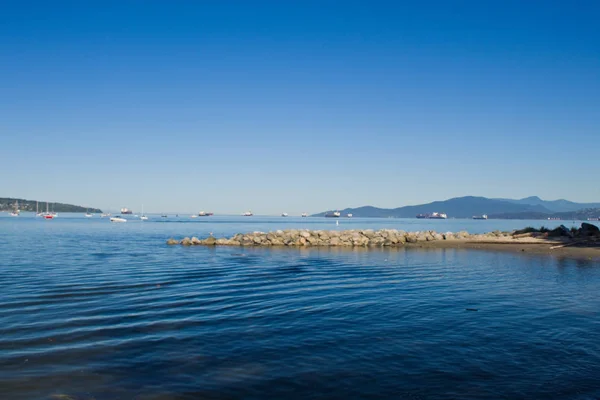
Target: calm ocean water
[94, 310]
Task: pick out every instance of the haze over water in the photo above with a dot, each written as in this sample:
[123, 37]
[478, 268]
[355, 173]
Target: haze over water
[96, 310]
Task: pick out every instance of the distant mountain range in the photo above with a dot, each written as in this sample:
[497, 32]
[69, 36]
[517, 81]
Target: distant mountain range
[7, 204]
[468, 206]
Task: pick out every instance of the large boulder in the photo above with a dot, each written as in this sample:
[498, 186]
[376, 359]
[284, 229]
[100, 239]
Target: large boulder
[257, 239]
[589, 230]
[411, 238]
[172, 241]
[209, 241]
[560, 231]
[370, 233]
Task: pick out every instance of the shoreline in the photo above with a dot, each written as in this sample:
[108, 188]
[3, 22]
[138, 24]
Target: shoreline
[583, 243]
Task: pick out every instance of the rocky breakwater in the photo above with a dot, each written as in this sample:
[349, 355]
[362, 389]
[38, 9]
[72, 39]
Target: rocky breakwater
[347, 238]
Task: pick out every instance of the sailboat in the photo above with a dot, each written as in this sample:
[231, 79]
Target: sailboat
[47, 214]
[37, 211]
[16, 212]
[143, 217]
[87, 213]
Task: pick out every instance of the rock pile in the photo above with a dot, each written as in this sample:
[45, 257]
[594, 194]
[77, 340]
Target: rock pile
[348, 238]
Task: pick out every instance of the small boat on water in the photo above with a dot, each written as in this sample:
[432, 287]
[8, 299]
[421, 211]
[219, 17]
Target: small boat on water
[349, 215]
[247, 214]
[163, 216]
[284, 214]
[484, 216]
[193, 216]
[88, 215]
[16, 211]
[143, 217]
[117, 218]
[48, 214]
[304, 215]
[335, 214]
[434, 215]
[104, 215]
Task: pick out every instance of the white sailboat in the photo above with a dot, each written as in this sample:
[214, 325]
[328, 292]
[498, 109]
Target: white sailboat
[143, 217]
[87, 213]
[16, 211]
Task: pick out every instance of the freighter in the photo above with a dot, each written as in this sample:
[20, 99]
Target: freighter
[126, 211]
[335, 214]
[434, 215]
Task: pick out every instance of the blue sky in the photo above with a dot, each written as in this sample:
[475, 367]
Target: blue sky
[298, 106]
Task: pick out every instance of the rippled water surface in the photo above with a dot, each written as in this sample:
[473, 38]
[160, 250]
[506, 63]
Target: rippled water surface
[94, 310]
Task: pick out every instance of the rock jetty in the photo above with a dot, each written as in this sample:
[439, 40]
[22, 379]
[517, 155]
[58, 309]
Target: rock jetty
[387, 237]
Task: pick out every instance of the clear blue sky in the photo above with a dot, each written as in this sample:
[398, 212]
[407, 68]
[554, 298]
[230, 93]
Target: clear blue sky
[298, 105]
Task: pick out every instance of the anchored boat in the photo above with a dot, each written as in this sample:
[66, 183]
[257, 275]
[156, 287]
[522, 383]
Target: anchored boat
[16, 211]
[434, 215]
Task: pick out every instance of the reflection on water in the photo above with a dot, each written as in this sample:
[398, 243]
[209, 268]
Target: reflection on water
[96, 311]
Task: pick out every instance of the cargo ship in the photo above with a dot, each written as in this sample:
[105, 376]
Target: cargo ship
[126, 211]
[204, 214]
[434, 215]
[484, 216]
[335, 214]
